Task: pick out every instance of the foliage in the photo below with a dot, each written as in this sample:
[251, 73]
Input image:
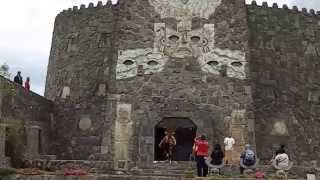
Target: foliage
[6, 172]
[7, 87]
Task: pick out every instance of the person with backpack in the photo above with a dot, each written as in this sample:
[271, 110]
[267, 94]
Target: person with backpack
[168, 144]
[247, 158]
[201, 151]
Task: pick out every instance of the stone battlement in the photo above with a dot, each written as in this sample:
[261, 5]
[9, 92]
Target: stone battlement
[285, 7]
[100, 5]
[91, 6]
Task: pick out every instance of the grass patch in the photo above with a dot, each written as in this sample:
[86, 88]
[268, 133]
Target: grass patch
[7, 172]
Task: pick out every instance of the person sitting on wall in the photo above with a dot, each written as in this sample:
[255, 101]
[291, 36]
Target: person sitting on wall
[281, 160]
[247, 159]
[217, 155]
[168, 144]
[18, 78]
[215, 163]
[201, 151]
[282, 163]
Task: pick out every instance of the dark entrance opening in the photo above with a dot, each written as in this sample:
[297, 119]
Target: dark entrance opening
[185, 132]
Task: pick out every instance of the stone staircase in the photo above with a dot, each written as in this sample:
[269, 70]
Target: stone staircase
[181, 169]
[175, 169]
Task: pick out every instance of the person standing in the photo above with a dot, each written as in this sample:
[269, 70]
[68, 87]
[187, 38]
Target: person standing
[201, 151]
[229, 143]
[168, 144]
[27, 84]
[18, 78]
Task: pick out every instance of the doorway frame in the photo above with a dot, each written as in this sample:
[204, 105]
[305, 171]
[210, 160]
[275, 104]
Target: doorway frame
[157, 139]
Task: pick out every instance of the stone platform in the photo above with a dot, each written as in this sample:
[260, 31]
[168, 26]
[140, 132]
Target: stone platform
[158, 170]
[118, 177]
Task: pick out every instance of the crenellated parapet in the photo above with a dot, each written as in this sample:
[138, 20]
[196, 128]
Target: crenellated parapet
[91, 6]
[285, 7]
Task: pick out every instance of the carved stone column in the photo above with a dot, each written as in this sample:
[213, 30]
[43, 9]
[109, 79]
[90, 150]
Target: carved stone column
[33, 141]
[123, 133]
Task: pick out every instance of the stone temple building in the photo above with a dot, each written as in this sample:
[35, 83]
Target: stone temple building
[118, 75]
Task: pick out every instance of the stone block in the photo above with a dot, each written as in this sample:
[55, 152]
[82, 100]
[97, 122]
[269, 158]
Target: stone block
[311, 177]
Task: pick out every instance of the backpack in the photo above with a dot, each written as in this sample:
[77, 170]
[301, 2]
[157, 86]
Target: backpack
[170, 140]
[249, 158]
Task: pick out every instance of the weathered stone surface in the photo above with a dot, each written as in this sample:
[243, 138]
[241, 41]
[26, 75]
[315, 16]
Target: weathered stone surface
[28, 112]
[163, 66]
[226, 66]
[284, 68]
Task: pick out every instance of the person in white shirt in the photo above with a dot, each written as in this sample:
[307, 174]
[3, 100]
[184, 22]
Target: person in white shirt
[228, 142]
[282, 160]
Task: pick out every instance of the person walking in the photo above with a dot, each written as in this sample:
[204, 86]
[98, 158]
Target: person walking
[18, 78]
[201, 151]
[27, 84]
[229, 143]
[168, 144]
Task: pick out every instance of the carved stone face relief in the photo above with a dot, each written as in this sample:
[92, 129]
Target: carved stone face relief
[129, 61]
[224, 62]
[184, 42]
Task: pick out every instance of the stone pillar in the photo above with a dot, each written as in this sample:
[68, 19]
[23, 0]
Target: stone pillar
[2, 141]
[33, 141]
[123, 133]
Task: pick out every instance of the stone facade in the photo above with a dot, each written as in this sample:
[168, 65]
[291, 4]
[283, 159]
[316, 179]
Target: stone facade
[284, 69]
[117, 73]
[28, 113]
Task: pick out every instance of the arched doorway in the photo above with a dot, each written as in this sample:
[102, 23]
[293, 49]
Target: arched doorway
[185, 132]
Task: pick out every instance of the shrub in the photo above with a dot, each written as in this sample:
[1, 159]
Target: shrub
[7, 172]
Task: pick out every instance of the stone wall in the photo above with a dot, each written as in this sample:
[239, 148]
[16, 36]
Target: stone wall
[161, 73]
[78, 79]
[27, 112]
[284, 48]
[116, 71]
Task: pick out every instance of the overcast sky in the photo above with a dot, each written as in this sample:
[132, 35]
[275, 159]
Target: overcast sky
[26, 29]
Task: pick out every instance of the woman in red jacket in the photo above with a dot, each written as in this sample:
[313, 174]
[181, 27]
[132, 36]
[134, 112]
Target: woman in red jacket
[27, 84]
[201, 151]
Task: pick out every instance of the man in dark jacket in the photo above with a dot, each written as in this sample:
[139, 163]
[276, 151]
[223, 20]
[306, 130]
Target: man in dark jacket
[18, 78]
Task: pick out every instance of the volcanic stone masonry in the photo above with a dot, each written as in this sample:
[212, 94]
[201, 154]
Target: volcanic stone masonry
[119, 75]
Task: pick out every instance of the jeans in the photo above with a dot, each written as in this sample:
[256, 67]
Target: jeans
[201, 166]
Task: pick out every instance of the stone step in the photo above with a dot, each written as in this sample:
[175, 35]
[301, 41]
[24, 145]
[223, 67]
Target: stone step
[230, 171]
